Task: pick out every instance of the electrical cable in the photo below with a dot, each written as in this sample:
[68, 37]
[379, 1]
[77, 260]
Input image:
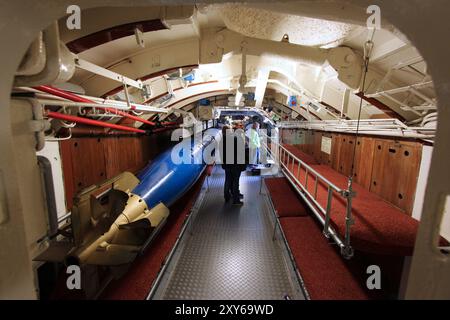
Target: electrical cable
[368, 46]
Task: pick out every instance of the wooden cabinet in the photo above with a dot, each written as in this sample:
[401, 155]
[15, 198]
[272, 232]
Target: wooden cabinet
[364, 161]
[395, 171]
[384, 166]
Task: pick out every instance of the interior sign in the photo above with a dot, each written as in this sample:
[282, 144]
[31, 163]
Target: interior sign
[326, 145]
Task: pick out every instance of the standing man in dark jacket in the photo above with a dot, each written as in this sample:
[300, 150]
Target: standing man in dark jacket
[232, 151]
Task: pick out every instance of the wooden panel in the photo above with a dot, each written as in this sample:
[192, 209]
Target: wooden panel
[395, 171]
[316, 147]
[310, 142]
[335, 150]
[304, 140]
[148, 150]
[365, 148]
[88, 161]
[411, 154]
[291, 136]
[302, 136]
[346, 154]
[383, 175]
[122, 154]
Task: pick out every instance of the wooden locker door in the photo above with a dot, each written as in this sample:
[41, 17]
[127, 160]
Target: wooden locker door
[364, 161]
[335, 150]
[310, 142]
[395, 170]
[346, 154]
[383, 174]
[410, 155]
[301, 139]
[317, 153]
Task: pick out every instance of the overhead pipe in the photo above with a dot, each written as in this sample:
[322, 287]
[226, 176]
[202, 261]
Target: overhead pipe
[65, 103]
[82, 131]
[49, 100]
[123, 105]
[92, 103]
[100, 102]
[402, 89]
[67, 117]
[382, 132]
[73, 97]
[392, 127]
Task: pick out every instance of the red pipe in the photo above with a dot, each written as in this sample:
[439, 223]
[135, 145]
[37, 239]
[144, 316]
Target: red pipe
[90, 131]
[73, 97]
[66, 117]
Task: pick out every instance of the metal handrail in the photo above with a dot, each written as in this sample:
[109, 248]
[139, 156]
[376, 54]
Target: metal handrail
[288, 160]
[310, 169]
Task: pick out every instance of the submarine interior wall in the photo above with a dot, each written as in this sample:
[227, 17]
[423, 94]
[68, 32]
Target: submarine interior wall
[386, 166]
[91, 160]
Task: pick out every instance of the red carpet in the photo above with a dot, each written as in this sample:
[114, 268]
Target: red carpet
[284, 198]
[306, 158]
[136, 283]
[326, 274]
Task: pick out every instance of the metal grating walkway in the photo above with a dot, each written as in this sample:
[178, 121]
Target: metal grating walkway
[229, 253]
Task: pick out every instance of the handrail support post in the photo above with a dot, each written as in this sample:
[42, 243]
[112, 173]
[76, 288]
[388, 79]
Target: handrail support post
[326, 227]
[347, 250]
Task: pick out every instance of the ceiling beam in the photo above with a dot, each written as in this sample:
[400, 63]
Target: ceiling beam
[113, 33]
[380, 105]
